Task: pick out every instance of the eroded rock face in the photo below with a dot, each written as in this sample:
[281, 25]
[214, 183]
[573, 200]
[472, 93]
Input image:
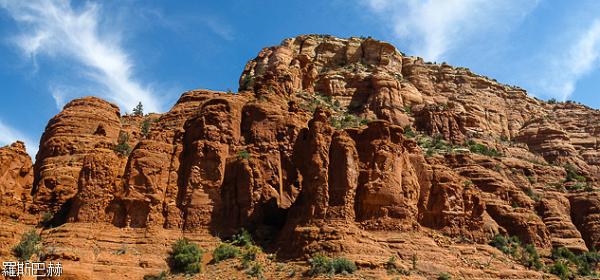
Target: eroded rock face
[16, 179]
[83, 126]
[314, 155]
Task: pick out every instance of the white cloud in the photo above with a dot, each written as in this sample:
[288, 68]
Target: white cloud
[55, 29]
[9, 135]
[432, 28]
[581, 58]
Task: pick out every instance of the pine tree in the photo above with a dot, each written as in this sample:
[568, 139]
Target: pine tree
[138, 110]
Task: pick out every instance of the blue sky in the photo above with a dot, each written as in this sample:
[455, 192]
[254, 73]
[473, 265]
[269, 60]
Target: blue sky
[152, 51]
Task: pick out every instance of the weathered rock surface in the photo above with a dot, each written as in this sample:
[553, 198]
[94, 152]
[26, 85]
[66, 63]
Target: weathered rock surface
[335, 146]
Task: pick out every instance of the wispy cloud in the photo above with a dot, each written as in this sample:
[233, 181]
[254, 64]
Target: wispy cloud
[56, 29]
[567, 67]
[432, 28]
[9, 135]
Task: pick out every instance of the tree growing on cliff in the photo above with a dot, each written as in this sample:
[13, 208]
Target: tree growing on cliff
[138, 110]
[122, 147]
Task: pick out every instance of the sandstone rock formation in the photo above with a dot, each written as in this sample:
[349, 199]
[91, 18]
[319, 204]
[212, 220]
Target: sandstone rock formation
[334, 146]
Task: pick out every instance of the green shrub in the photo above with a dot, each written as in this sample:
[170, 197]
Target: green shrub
[563, 253]
[530, 257]
[552, 101]
[249, 254]
[145, 129]
[508, 245]
[255, 270]
[343, 265]
[346, 120]
[161, 276]
[242, 239]
[561, 269]
[408, 132]
[225, 251]
[185, 257]
[320, 264]
[482, 149]
[577, 187]
[243, 154]
[586, 262]
[122, 148]
[572, 175]
[30, 244]
[444, 276]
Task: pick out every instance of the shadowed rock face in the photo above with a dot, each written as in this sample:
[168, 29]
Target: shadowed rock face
[289, 158]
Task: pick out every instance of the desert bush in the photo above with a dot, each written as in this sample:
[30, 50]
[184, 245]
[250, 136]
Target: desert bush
[586, 262]
[122, 147]
[225, 251]
[346, 120]
[479, 148]
[29, 245]
[343, 265]
[242, 239]
[185, 257]
[320, 264]
[444, 276]
[561, 269]
[255, 270]
[249, 254]
[160, 276]
[530, 257]
[145, 129]
[243, 154]
[508, 245]
[572, 175]
[409, 132]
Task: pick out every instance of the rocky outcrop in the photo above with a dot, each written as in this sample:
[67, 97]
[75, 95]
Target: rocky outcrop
[83, 126]
[16, 178]
[334, 146]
